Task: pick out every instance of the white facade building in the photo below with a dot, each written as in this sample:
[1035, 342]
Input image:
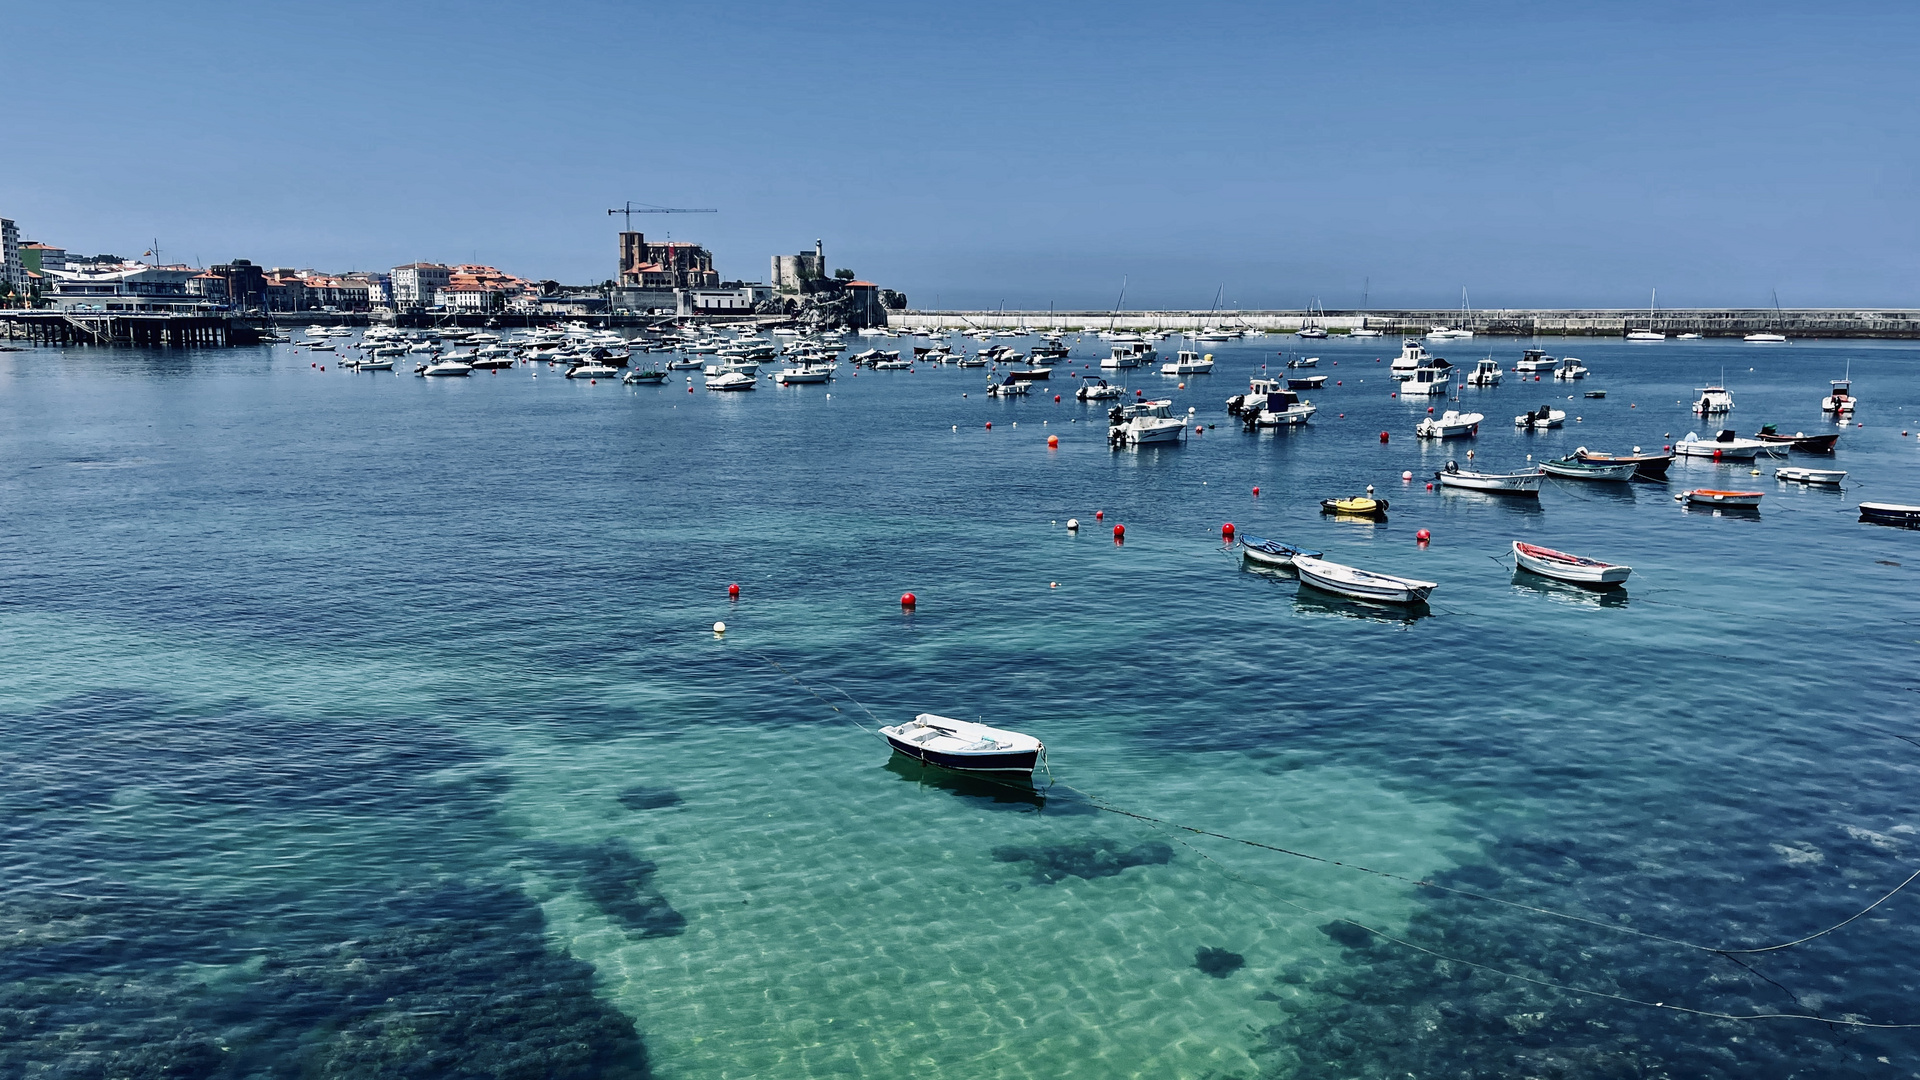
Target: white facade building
[415, 284]
[12, 271]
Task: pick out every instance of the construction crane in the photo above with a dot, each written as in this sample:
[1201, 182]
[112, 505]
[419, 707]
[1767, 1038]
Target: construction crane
[647, 208]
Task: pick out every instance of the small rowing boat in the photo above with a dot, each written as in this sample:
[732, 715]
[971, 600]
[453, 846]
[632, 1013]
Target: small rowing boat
[1569, 568]
[1711, 497]
[1573, 468]
[1830, 477]
[1520, 483]
[1272, 552]
[1879, 513]
[1361, 584]
[1799, 442]
[964, 746]
[1651, 466]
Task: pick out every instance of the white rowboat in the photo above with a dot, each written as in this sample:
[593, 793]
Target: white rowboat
[1570, 568]
[1361, 584]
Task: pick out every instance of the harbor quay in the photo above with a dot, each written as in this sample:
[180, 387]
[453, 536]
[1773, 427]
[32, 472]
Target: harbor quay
[1514, 322]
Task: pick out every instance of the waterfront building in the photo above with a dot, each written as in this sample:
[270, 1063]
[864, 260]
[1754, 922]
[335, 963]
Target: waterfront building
[123, 287]
[38, 257]
[670, 265]
[484, 288]
[336, 293]
[286, 290]
[796, 273]
[209, 287]
[415, 284]
[246, 284]
[734, 298]
[12, 272]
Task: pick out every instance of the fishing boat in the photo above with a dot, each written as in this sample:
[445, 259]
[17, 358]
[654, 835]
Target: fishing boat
[1146, 422]
[964, 746]
[1713, 401]
[1188, 362]
[649, 378]
[1452, 424]
[1572, 468]
[1486, 372]
[1009, 387]
[1272, 552]
[1413, 356]
[1306, 382]
[1096, 390]
[1714, 497]
[1799, 441]
[1129, 354]
[1570, 368]
[1830, 477]
[1533, 361]
[1519, 483]
[1436, 378]
[1725, 446]
[1361, 584]
[1358, 506]
[732, 380]
[1269, 404]
[1879, 513]
[1576, 569]
[1543, 418]
[1839, 401]
[1650, 466]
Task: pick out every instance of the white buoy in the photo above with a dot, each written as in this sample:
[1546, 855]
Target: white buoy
[719, 628]
[1073, 524]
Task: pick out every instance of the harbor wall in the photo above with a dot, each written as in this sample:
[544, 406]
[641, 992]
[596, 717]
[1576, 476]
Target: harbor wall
[1591, 322]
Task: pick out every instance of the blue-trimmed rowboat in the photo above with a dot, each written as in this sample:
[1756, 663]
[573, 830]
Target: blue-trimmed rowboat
[964, 746]
[1271, 552]
[1890, 514]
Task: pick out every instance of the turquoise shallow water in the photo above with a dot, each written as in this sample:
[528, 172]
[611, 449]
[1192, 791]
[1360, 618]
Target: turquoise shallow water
[364, 725]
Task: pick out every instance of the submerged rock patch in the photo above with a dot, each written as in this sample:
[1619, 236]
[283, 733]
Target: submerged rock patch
[1094, 858]
[642, 797]
[1217, 962]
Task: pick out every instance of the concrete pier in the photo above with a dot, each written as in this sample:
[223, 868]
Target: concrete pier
[183, 331]
[1585, 322]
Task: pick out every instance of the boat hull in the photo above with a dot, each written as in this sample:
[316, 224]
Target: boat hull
[1650, 466]
[1577, 471]
[1890, 514]
[1267, 553]
[1561, 566]
[1013, 763]
[1708, 497]
[1803, 444]
[1360, 584]
[1525, 484]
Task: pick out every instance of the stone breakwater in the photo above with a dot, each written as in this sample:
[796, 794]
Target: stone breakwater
[1542, 322]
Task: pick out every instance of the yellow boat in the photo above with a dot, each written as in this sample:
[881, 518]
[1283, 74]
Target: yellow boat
[1358, 506]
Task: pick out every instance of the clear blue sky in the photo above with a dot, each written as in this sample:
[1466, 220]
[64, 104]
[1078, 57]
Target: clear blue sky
[1536, 153]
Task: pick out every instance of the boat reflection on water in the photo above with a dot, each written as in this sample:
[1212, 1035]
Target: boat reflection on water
[1457, 496]
[1566, 592]
[990, 792]
[1311, 601]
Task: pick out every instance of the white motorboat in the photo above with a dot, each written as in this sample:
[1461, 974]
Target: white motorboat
[1363, 332]
[592, 370]
[965, 746]
[1645, 335]
[1434, 379]
[1686, 337]
[732, 380]
[796, 376]
[1096, 390]
[1129, 354]
[1444, 333]
[1840, 400]
[1452, 424]
[1575, 569]
[1009, 387]
[1485, 373]
[1533, 361]
[374, 364]
[1188, 362]
[1412, 355]
[1570, 368]
[1829, 477]
[1713, 401]
[1765, 339]
[650, 378]
[1361, 584]
[1214, 335]
[445, 367]
[1726, 446]
[1144, 423]
[684, 363]
[1520, 483]
[1269, 403]
[1303, 362]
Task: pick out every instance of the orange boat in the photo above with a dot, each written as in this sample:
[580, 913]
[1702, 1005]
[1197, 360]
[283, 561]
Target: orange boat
[1710, 497]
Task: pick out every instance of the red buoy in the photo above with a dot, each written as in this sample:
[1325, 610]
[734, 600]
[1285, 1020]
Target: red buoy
[1119, 532]
[1423, 535]
[733, 590]
[1383, 436]
[989, 425]
[1429, 408]
[1053, 442]
[1226, 531]
[907, 599]
[1139, 393]
[1256, 491]
[1099, 514]
[1394, 395]
[1056, 399]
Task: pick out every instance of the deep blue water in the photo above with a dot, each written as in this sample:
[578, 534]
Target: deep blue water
[371, 725]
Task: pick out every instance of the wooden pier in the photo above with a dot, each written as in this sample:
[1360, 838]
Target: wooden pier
[115, 328]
